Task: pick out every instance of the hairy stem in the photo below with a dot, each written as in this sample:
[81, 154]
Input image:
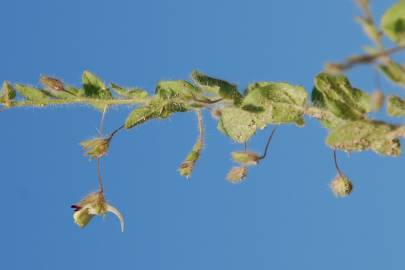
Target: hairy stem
[362, 59]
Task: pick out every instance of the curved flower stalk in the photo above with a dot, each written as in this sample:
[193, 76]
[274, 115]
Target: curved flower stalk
[93, 205]
[245, 159]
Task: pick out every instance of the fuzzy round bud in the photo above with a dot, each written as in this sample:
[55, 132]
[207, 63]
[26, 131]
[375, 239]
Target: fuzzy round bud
[341, 186]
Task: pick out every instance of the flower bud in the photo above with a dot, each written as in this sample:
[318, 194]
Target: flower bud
[187, 166]
[236, 174]
[97, 147]
[341, 186]
[52, 83]
[245, 158]
[93, 205]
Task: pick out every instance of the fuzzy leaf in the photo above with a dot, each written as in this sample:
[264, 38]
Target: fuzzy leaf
[94, 87]
[393, 71]
[281, 102]
[217, 87]
[135, 93]
[239, 124]
[176, 89]
[31, 93]
[157, 108]
[334, 93]
[364, 135]
[393, 22]
[395, 106]
[7, 93]
[138, 116]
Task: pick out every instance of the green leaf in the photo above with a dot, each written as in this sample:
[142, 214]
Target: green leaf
[335, 94]
[365, 135]
[395, 106]
[176, 89]
[393, 22]
[135, 93]
[94, 87]
[7, 93]
[280, 102]
[75, 91]
[157, 108]
[393, 71]
[31, 93]
[138, 116]
[239, 124]
[216, 86]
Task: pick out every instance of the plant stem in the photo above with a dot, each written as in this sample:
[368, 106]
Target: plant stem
[101, 127]
[266, 148]
[200, 127]
[363, 59]
[208, 101]
[100, 178]
[87, 101]
[341, 174]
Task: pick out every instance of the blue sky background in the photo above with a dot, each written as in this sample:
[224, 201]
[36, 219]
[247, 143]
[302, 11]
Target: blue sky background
[282, 217]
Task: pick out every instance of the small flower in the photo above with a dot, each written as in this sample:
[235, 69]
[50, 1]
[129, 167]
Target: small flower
[97, 147]
[341, 186]
[93, 205]
[52, 83]
[245, 158]
[236, 174]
